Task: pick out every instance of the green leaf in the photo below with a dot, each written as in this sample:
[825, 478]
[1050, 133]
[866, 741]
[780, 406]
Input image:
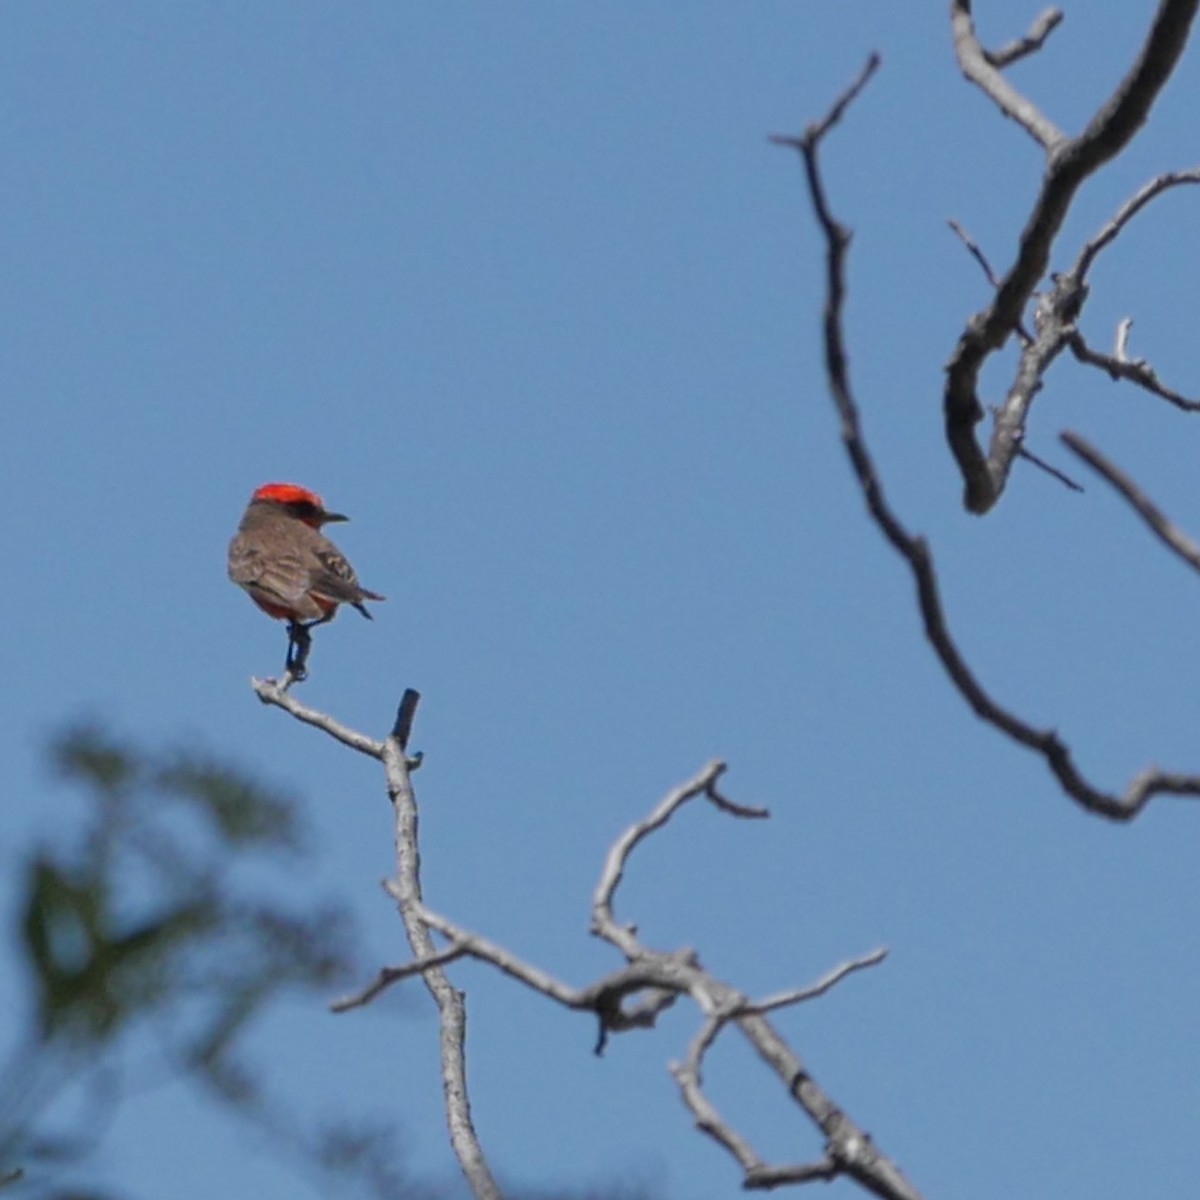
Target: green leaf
[242, 810]
[85, 752]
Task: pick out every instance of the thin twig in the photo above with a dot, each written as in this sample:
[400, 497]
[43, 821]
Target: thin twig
[1062, 478]
[1170, 534]
[703, 783]
[389, 975]
[482, 948]
[690, 1079]
[1133, 370]
[1127, 211]
[973, 247]
[813, 990]
[817, 129]
[1043, 25]
[271, 691]
[405, 715]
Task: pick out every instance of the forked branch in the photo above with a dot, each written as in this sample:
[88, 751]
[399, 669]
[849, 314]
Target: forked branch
[391, 751]
[629, 997]
[1068, 162]
[915, 550]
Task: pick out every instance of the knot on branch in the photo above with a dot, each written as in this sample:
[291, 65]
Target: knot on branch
[848, 1146]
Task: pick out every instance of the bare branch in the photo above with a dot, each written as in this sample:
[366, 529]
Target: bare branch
[1069, 161]
[689, 1076]
[817, 129]
[723, 1006]
[406, 888]
[477, 946]
[389, 975]
[916, 553]
[881, 1177]
[1170, 534]
[990, 275]
[982, 70]
[405, 715]
[1119, 365]
[1126, 110]
[1127, 211]
[813, 990]
[1043, 465]
[848, 1146]
[703, 783]
[765, 1177]
[1134, 370]
[973, 246]
[633, 997]
[838, 108]
[452, 1011]
[1043, 25]
[628, 998]
[270, 691]
[750, 812]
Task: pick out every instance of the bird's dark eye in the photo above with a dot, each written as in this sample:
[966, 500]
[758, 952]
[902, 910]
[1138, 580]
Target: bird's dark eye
[304, 509]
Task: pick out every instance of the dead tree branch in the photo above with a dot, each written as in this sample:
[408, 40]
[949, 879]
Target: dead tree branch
[389, 975]
[630, 997]
[1069, 161]
[406, 888]
[1133, 370]
[915, 550]
[1169, 533]
[452, 1010]
[976, 253]
[1050, 470]
[1134, 205]
[1043, 26]
[1119, 365]
[271, 691]
[982, 69]
[703, 784]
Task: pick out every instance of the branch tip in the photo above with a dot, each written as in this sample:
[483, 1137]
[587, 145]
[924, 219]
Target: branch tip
[1167, 532]
[816, 130]
[405, 715]
[1043, 26]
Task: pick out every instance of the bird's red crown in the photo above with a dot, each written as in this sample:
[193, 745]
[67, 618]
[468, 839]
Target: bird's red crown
[287, 493]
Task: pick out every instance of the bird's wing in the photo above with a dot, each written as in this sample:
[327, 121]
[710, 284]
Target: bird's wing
[333, 578]
[284, 577]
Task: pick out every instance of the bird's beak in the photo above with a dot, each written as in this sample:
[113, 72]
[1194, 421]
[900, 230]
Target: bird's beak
[326, 517]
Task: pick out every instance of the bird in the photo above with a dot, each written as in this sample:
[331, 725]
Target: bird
[290, 569]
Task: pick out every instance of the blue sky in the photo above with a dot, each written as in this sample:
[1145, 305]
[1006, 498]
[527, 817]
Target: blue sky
[525, 290]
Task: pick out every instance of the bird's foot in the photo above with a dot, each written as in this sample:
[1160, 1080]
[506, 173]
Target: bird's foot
[299, 644]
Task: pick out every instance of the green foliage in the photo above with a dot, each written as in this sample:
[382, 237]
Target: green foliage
[135, 918]
[241, 811]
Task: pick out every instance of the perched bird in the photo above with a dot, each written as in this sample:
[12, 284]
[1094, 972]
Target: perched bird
[290, 569]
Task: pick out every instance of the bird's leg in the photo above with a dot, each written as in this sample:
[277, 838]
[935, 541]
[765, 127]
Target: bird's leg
[299, 644]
